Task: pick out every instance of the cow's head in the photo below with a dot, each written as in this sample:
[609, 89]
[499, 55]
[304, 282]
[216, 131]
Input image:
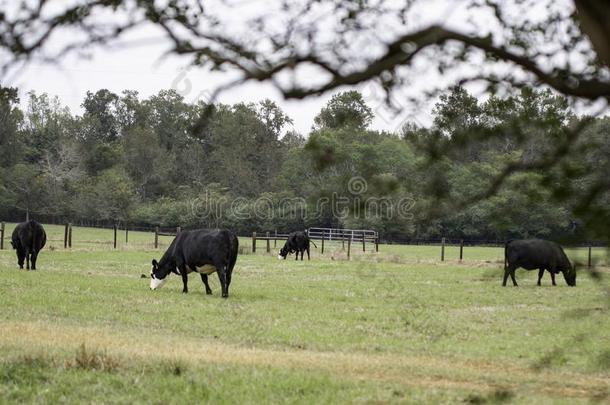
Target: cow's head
[283, 253]
[158, 276]
[570, 275]
[13, 245]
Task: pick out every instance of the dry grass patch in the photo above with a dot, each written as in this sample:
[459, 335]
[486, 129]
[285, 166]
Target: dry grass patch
[100, 349]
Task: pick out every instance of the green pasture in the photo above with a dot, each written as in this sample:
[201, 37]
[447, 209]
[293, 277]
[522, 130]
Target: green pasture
[397, 326]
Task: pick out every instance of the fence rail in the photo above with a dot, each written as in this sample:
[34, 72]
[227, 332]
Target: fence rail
[356, 235]
[346, 237]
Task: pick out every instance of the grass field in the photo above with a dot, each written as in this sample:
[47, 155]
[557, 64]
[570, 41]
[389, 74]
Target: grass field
[398, 326]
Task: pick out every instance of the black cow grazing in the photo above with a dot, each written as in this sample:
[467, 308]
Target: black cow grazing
[202, 251]
[297, 242]
[28, 239]
[538, 254]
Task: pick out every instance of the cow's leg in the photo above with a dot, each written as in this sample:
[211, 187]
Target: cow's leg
[228, 275]
[540, 274]
[509, 270]
[308, 253]
[222, 277]
[204, 278]
[33, 259]
[506, 272]
[27, 259]
[553, 277]
[185, 279]
[512, 276]
[20, 258]
[302, 253]
[296, 255]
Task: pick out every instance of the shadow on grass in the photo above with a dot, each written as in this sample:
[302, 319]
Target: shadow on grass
[496, 397]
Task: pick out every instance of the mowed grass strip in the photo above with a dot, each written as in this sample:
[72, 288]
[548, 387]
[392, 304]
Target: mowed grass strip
[437, 332]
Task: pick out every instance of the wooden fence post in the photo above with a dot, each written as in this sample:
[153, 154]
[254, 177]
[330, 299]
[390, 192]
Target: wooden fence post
[253, 242]
[126, 235]
[363, 242]
[349, 247]
[156, 237]
[323, 242]
[377, 244]
[589, 261]
[2, 236]
[342, 239]
[443, 250]
[66, 236]
[275, 240]
[178, 230]
[69, 235]
[268, 243]
[461, 249]
[114, 238]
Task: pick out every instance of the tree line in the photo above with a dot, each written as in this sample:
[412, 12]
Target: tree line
[154, 161]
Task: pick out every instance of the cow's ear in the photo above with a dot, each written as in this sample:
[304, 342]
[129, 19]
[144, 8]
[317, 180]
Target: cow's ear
[154, 263]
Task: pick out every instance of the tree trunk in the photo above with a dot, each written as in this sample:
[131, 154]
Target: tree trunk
[594, 19]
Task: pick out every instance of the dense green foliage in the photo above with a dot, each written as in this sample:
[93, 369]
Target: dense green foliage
[153, 162]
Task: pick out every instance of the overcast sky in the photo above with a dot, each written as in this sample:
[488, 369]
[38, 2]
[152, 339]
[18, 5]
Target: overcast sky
[138, 64]
[141, 66]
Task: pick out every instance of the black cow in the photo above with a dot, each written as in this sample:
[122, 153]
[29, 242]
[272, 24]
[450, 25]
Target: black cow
[297, 242]
[203, 251]
[538, 254]
[28, 239]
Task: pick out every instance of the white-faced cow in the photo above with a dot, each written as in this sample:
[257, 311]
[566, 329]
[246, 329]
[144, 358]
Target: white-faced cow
[202, 251]
[28, 239]
[532, 254]
[297, 242]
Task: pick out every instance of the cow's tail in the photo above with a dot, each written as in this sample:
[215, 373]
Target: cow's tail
[43, 240]
[233, 248]
[32, 226]
[311, 240]
[506, 253]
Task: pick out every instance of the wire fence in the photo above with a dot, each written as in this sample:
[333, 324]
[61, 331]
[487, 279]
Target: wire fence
[328, 240]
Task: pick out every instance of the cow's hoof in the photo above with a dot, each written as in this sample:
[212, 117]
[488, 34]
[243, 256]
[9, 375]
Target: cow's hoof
[208, 293]
[184, 292]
